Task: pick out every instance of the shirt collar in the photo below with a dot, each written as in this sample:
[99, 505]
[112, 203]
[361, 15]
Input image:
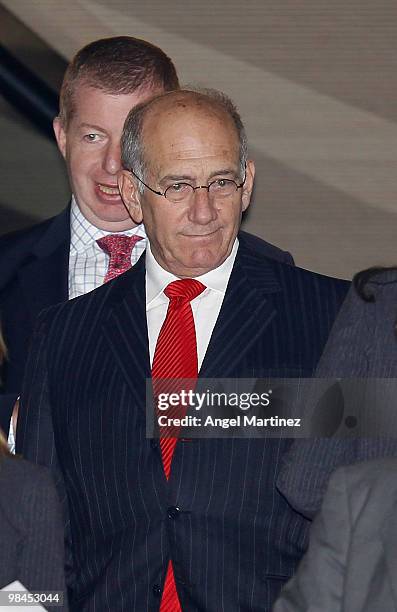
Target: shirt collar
[83, 234]
[157, 278]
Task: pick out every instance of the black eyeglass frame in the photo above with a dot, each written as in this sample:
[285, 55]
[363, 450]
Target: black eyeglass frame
[207, 187]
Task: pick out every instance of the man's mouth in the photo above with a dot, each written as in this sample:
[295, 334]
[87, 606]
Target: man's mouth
[206, 235]
[108, 190]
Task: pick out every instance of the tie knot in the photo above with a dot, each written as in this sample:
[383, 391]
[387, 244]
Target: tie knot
[119, 248]
[188, 288]
[118, 244]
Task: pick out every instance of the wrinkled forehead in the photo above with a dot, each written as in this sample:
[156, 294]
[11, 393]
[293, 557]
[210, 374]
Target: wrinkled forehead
[188, 126]
[188, 108]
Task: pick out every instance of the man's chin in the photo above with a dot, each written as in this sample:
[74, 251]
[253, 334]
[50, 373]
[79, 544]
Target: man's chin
[112, 213]
[197, 266]
[112, 218]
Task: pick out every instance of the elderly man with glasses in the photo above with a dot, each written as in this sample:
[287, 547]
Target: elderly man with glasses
[169, 524]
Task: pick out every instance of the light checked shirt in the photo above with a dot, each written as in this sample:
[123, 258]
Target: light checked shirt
[88, 263]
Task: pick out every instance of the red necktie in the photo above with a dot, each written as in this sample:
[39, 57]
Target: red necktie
[119, 248]
[175, 358]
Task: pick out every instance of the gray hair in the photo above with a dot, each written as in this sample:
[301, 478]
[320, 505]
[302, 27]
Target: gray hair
[132, 150]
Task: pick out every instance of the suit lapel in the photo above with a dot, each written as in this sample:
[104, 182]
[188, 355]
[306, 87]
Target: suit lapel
[44, 277]
[126, 330]
[246, 311]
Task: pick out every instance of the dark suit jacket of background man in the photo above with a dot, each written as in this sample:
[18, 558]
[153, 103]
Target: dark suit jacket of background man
[34, 269]
[232, 537]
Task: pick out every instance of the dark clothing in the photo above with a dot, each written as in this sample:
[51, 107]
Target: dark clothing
[31, 528]
[362, 344]
[232, 538]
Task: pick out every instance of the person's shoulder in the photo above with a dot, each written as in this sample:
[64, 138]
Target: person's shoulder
[309, 276]
[95, 306]
[294, 275]
[290, 277]
[27, 237]
[264, 248]
[307, 291]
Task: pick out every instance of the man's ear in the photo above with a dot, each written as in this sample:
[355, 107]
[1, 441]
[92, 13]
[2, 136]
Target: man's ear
[249, 184]
[129, 191]
[60, 135]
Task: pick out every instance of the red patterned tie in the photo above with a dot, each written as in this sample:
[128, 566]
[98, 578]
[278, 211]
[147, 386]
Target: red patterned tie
[119, 248]
[175, 358]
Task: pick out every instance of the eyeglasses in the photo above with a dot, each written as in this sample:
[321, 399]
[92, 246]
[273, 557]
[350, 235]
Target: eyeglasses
[180, 192]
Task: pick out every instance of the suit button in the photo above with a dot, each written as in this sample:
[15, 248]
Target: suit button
[156, 590]
[173, 512]
[154, 443]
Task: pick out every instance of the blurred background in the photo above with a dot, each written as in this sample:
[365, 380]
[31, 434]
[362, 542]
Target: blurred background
[315, 81]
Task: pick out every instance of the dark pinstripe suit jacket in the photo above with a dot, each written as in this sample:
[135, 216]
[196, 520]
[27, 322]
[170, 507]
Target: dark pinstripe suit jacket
[234, 540]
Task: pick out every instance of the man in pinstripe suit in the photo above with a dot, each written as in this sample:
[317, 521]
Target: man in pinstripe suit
[232, 538]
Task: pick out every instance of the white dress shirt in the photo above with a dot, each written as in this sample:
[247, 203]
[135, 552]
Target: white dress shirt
[205, 307]
[88, 263]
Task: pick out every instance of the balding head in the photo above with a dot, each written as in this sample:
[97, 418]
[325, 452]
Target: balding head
[147, 118]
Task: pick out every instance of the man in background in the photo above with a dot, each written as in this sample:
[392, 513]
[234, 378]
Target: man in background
[94, 238]
[188, 524]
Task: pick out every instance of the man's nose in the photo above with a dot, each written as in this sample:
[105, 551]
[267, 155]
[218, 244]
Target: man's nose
[112, 161]
[202, 208]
